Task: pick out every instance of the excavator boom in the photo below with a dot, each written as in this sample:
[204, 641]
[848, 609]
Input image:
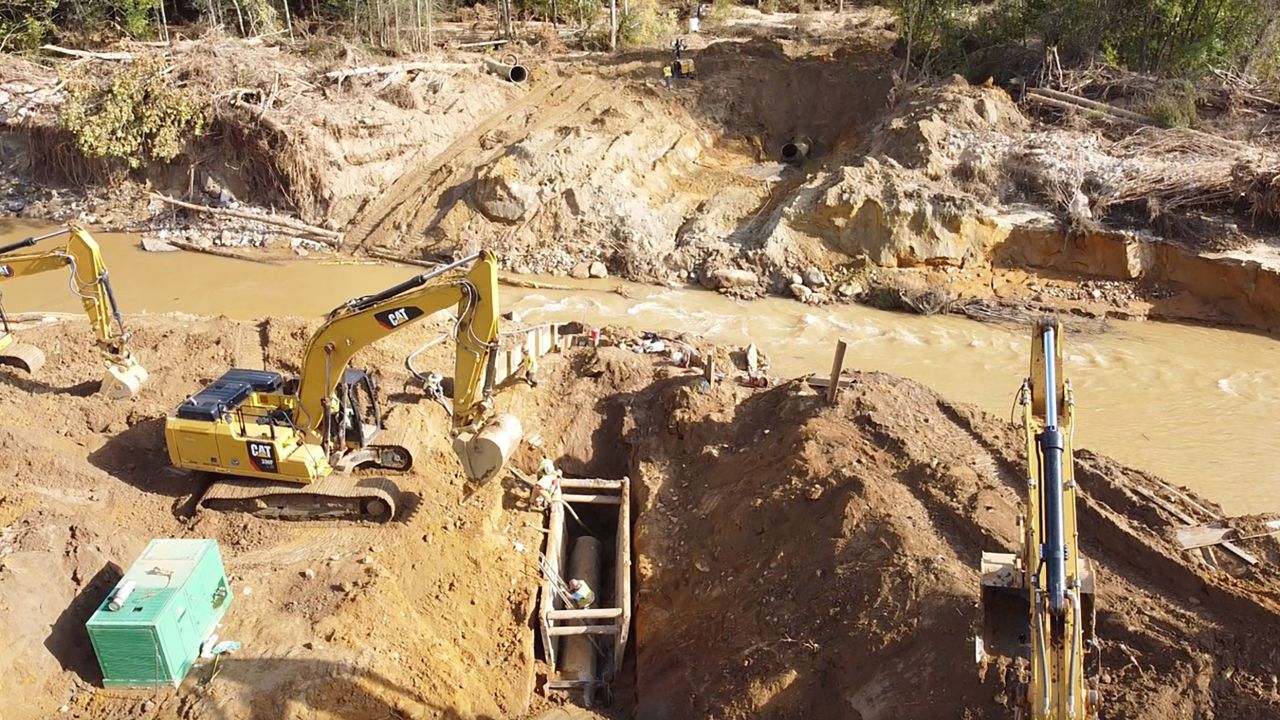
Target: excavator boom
[91, 282]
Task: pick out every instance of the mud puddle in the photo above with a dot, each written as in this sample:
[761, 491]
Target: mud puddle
[1190, 404]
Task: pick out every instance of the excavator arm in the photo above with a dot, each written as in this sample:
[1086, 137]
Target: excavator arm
[91, 282]
[1043, 595]
[1057, 574]
[482, 443]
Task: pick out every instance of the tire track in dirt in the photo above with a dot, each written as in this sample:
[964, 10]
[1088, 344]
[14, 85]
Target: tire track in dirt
[581, 91]
[399, 209]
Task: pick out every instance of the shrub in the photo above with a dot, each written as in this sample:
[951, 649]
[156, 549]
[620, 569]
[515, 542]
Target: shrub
[647, 23]
[1173, 105]
[134, 115]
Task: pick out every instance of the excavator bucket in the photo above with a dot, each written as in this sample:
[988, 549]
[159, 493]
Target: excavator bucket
[484, 452]
[1006, 609]
[1006, 614]
[123, 381]
[27, 358]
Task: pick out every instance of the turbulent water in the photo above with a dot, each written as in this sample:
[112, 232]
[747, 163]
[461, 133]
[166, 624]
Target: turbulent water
[1195, 405]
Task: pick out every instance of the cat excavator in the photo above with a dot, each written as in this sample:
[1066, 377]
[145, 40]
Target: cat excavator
[1038, 603]
[288, 448]
[89, 280]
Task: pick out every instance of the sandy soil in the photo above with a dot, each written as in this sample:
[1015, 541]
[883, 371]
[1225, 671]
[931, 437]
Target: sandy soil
[783, 549]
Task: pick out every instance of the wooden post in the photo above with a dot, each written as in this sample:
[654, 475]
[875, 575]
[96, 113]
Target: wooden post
[836, 366]
[288, 18]
[613, 25]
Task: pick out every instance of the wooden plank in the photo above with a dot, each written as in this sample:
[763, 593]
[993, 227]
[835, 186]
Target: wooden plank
[584, 630]
[1164, 505]
[555, 540]
[586, 614]
[1238, 552]
[592, 499]
[1187, 499]
[822, 383]
[837, 365]
[592, 483]
[571, 685]
[1168, 507]
[622, 572]
[1200, 536]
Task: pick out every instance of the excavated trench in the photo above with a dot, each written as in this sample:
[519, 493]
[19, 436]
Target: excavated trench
[798, 559]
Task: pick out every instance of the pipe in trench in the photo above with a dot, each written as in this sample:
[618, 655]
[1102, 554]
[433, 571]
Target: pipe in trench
[578, 651]
[513, 72]
[796, 150]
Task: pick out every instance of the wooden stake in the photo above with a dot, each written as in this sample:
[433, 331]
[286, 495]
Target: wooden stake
[837, 365]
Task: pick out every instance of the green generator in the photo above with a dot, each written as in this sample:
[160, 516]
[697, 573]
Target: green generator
[148, 630]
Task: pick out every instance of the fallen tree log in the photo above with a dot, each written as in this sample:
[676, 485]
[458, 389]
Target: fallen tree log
[1067, 101]
[328, 237]
[112, 56]
[219, 252]
[1113, 113]
[392, 257]
[341, 75]
[1091, 104]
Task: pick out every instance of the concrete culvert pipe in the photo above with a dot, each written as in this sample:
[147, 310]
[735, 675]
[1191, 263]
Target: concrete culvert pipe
[796, 150]
[513, 71]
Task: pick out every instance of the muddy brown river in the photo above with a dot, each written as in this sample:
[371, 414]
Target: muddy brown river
[1197, 406]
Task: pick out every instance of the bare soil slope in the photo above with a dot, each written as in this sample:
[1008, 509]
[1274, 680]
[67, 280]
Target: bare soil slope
[801, 560]
[424, 617]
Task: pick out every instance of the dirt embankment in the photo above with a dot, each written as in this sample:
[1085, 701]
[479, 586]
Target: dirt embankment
[785, 549]
[939, 188]
[796, 559]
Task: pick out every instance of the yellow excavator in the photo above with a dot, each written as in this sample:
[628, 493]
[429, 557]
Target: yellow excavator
[1038, 603]
[292, 445]
[89, 281]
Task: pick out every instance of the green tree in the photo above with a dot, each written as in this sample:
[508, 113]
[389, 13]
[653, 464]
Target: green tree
[25, 24]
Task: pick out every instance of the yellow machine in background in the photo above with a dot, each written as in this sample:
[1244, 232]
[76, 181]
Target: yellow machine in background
[1038, 604]
[293, 443]
[89, 280]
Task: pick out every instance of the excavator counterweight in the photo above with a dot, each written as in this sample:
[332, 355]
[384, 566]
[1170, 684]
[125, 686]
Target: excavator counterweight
[291, 445]
[90, 281]
[1038, 602]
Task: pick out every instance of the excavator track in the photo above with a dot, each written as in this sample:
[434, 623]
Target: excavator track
[337, 497]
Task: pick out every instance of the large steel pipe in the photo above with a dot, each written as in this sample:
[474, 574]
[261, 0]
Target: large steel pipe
[513, 71]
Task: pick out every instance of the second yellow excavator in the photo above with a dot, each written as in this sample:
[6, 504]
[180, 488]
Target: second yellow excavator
[89, 281]
[1038, 603]
[292, 445]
